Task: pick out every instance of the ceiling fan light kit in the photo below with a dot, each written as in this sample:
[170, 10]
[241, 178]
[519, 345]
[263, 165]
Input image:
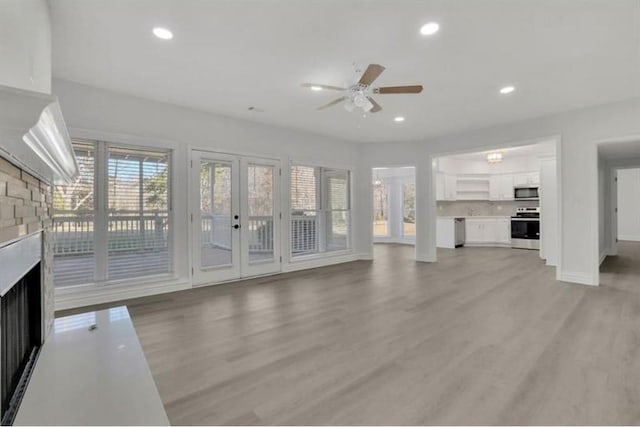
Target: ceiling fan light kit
[359, 94]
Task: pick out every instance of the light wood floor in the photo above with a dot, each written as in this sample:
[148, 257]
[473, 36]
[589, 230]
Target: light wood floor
[485, 336]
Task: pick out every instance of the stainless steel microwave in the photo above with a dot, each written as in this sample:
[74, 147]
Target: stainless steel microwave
[526, 193]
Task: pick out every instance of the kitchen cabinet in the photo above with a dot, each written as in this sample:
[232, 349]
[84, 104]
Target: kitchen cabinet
[524, 179]
[501, 187]
[488, 231]
[446, 186]
[450, 232]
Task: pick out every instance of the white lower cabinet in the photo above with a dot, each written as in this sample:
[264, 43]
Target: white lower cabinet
[488, 231]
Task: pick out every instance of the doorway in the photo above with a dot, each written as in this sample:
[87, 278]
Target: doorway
[235, 217]
[394, 209]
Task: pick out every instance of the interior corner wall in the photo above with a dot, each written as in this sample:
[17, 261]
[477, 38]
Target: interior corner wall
[578, 132]
[25, 45]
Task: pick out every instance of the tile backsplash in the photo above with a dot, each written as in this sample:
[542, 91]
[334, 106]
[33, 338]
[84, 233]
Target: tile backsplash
[482, 207]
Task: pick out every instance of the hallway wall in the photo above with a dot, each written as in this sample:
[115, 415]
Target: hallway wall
[629, 204]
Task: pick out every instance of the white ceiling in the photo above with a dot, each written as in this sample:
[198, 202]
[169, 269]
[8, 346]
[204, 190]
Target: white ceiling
[229, 55]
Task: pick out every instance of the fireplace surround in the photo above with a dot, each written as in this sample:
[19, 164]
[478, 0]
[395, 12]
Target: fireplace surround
[21, 319]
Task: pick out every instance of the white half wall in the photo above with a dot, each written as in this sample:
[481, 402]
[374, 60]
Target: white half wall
[25, 45]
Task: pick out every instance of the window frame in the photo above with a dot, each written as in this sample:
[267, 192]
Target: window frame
[385, 185]
[404, 186]
[322, 211]
[101, 215]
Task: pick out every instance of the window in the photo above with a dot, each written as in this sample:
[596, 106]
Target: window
[409, 209]
[73, 222]
[121, 232]
[138, 215]
[380, 208]
[320, 210]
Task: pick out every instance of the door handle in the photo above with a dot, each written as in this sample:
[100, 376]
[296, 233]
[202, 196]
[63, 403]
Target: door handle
[236, 226]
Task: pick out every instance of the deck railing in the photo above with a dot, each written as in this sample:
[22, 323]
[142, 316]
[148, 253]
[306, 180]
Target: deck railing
[135, 231]
[127, 231]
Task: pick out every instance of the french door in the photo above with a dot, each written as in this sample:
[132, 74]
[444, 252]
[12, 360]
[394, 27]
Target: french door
[235, 217]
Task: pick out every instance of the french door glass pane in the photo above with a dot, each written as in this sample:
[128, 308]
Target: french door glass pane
[74, 222]
[215, 212]
[260, 201]
[138, 216]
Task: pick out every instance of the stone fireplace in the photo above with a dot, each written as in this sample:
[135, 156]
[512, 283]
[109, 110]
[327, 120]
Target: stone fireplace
[26, 275]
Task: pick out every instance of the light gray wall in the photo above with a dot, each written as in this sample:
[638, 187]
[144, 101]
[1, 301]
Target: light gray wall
[25, 45]
[629, 204]
[104, 115]
[579, 132]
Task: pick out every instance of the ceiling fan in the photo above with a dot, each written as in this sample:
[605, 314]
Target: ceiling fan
[359, 94]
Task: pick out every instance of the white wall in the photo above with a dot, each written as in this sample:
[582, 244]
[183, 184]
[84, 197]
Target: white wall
[579, 132]
[549, 226]
[602, 208]
[629, 204]
[99, 114]
[510, 164]
[25, 45]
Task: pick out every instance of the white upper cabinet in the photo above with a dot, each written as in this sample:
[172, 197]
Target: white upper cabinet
[524, 179]
[446, 186]
[450, 187]
[501, 187]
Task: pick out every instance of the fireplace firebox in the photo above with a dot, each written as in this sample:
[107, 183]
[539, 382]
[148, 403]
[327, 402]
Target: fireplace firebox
[20, 321]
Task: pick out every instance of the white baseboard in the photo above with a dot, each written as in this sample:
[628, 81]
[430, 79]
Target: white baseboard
[396, 241]
[629, 237]
[603, 256]
[488, 245]
[366, 256]
[91, 295]
[575, 277]
[426, 258]
[319, 262]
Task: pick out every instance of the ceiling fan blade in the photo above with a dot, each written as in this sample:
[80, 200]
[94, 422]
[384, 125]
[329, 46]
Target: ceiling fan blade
[327, 87]
[372, 72]
[376, 106]
[332, 103]
[399, 89]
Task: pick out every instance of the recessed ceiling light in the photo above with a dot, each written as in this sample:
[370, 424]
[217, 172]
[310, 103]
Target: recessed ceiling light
[398, 119]
[316, 88]
[162, 33]
[429, 28]
[507, 89]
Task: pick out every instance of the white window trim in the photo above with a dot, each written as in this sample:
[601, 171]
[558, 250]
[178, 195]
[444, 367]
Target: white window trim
[321, 211]
[101, 203]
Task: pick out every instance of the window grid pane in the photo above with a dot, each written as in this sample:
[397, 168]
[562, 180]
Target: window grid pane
[320, 200]
[138, 216]
[380, 209]
[409, 209]
[74, 222]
